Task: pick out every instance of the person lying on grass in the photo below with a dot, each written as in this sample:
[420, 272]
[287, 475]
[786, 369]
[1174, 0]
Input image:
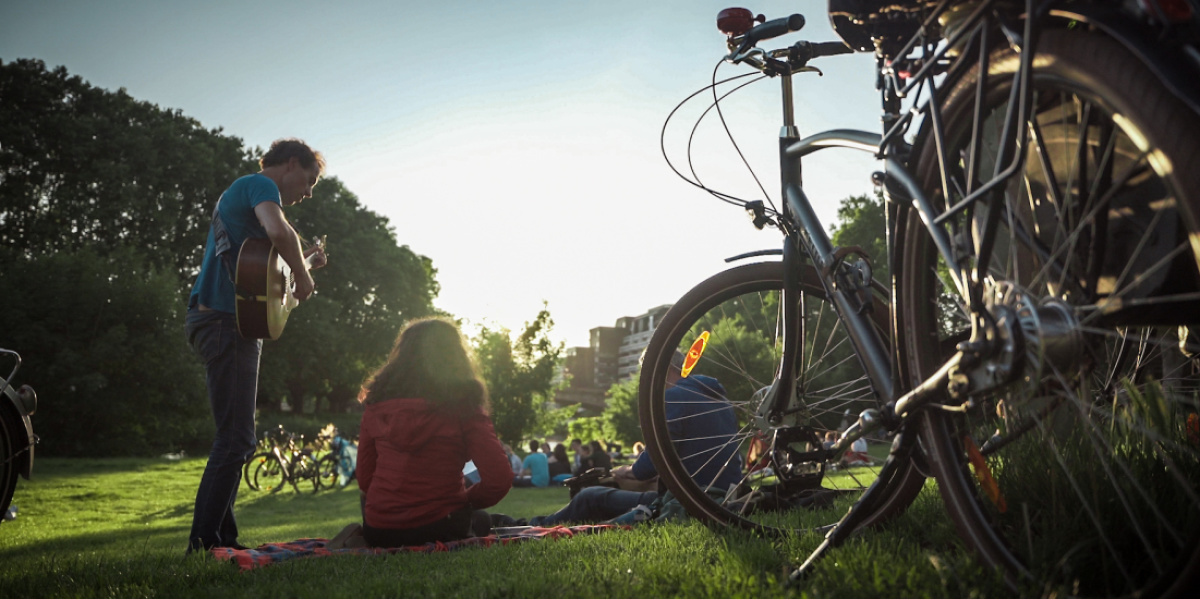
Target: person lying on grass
[426, 415]
[704, 424]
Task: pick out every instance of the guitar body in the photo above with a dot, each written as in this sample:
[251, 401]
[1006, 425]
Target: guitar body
[264, 290]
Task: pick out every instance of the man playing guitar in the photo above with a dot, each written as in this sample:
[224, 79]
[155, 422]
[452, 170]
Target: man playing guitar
[250, 208]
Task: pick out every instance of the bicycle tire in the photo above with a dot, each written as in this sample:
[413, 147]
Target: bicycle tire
[327, 471]
[269, 475]
[1081, 485]
[249, 467]
[743, 358]
[305, 472]
[8, 449]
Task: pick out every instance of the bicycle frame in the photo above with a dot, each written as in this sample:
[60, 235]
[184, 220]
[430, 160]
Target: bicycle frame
[985, 361]
[846, 284]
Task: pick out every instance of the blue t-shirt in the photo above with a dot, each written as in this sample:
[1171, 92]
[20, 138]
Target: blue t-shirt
[214, 285]
[705, 426]
[539, 468]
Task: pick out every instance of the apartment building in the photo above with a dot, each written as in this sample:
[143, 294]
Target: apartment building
[612, 355]
[640, 329]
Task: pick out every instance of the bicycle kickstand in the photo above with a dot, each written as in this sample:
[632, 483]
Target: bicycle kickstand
[850, 522]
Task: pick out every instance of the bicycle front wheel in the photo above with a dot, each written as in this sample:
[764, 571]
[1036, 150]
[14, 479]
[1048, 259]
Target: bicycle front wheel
[249, 468]
[714, 452]
[268, 474]
[8, 454]
[327, 471]
[1080, 475]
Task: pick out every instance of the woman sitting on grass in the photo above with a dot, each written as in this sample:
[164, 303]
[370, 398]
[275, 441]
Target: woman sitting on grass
[560, 465]
[426, 415]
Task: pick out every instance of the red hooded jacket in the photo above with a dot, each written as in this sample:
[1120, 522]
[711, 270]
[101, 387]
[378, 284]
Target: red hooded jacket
[410, 463]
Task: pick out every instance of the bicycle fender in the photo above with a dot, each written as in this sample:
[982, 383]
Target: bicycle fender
[1176, 66]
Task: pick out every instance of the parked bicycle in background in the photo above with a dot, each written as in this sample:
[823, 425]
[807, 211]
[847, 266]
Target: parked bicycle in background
[283, 461]
[1034, 347]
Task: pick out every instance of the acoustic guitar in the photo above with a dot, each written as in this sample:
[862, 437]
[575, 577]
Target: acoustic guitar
[265, 288]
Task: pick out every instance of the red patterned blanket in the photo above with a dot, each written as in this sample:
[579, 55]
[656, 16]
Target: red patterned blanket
[270, 553]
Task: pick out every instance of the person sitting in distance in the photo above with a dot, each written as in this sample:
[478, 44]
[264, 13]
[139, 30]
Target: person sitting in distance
[535, 469]
[560, 464]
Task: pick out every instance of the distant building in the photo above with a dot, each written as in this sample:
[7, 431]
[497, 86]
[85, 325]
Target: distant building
[606, 350]
[612, 355]
[640, 329]
[580, 366]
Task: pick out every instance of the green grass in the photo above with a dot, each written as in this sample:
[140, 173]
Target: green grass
[117, 528]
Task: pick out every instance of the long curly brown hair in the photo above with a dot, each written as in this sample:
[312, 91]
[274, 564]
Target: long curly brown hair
[431, 361]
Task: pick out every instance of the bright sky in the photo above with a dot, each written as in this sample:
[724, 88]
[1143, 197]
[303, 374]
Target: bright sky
[515, 143]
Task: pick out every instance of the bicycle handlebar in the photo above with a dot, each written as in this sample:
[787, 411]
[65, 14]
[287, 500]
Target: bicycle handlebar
[830, 49]
[772, 28]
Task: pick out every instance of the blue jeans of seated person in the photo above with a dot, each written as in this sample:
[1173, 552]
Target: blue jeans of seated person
[596, 504]
[231, 366]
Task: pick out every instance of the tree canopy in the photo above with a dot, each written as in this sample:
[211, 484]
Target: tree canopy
[519, 373]
[85, 167]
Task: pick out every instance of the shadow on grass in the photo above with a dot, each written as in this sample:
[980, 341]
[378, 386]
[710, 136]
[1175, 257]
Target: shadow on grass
[55, 469]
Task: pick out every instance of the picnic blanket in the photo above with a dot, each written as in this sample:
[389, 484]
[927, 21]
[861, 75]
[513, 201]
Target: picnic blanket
[271, 553]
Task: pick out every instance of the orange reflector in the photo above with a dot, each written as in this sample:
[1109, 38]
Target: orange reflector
[693, 355]
[984, 474]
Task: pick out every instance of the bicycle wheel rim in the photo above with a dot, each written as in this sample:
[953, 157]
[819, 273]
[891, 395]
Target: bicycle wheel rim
[735, 308]
[1080, 477]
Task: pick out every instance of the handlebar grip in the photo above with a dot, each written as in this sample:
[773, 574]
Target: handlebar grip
[773, 28]
[830, 49]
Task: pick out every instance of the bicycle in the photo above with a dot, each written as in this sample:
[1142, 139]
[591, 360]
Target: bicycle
[1031, 349]
[283, 463]
[17, 438]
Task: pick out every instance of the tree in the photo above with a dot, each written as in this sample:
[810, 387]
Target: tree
[620, 413]
[861, 223]
[102, 342]
[589, 428]
[85, 167]
[519, 374]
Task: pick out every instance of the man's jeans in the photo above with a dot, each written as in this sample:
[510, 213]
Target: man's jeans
[231, 363]
[596, 504]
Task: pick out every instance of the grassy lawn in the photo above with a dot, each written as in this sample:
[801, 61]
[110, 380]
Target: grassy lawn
[118, 527]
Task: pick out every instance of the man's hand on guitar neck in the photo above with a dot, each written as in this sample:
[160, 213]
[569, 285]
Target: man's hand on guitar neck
[315, 257]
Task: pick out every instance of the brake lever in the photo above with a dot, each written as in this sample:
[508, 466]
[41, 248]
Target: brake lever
[739, 56]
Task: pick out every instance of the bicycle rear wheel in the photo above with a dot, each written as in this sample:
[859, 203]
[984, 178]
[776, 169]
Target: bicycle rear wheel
[305, 472]
[778, 488]
[1081, 475]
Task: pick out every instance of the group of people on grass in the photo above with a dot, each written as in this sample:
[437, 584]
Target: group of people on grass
[544, 467]
[426, 410]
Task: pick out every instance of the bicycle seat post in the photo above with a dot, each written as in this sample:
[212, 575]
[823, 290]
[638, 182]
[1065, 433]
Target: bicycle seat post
[789, 130]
